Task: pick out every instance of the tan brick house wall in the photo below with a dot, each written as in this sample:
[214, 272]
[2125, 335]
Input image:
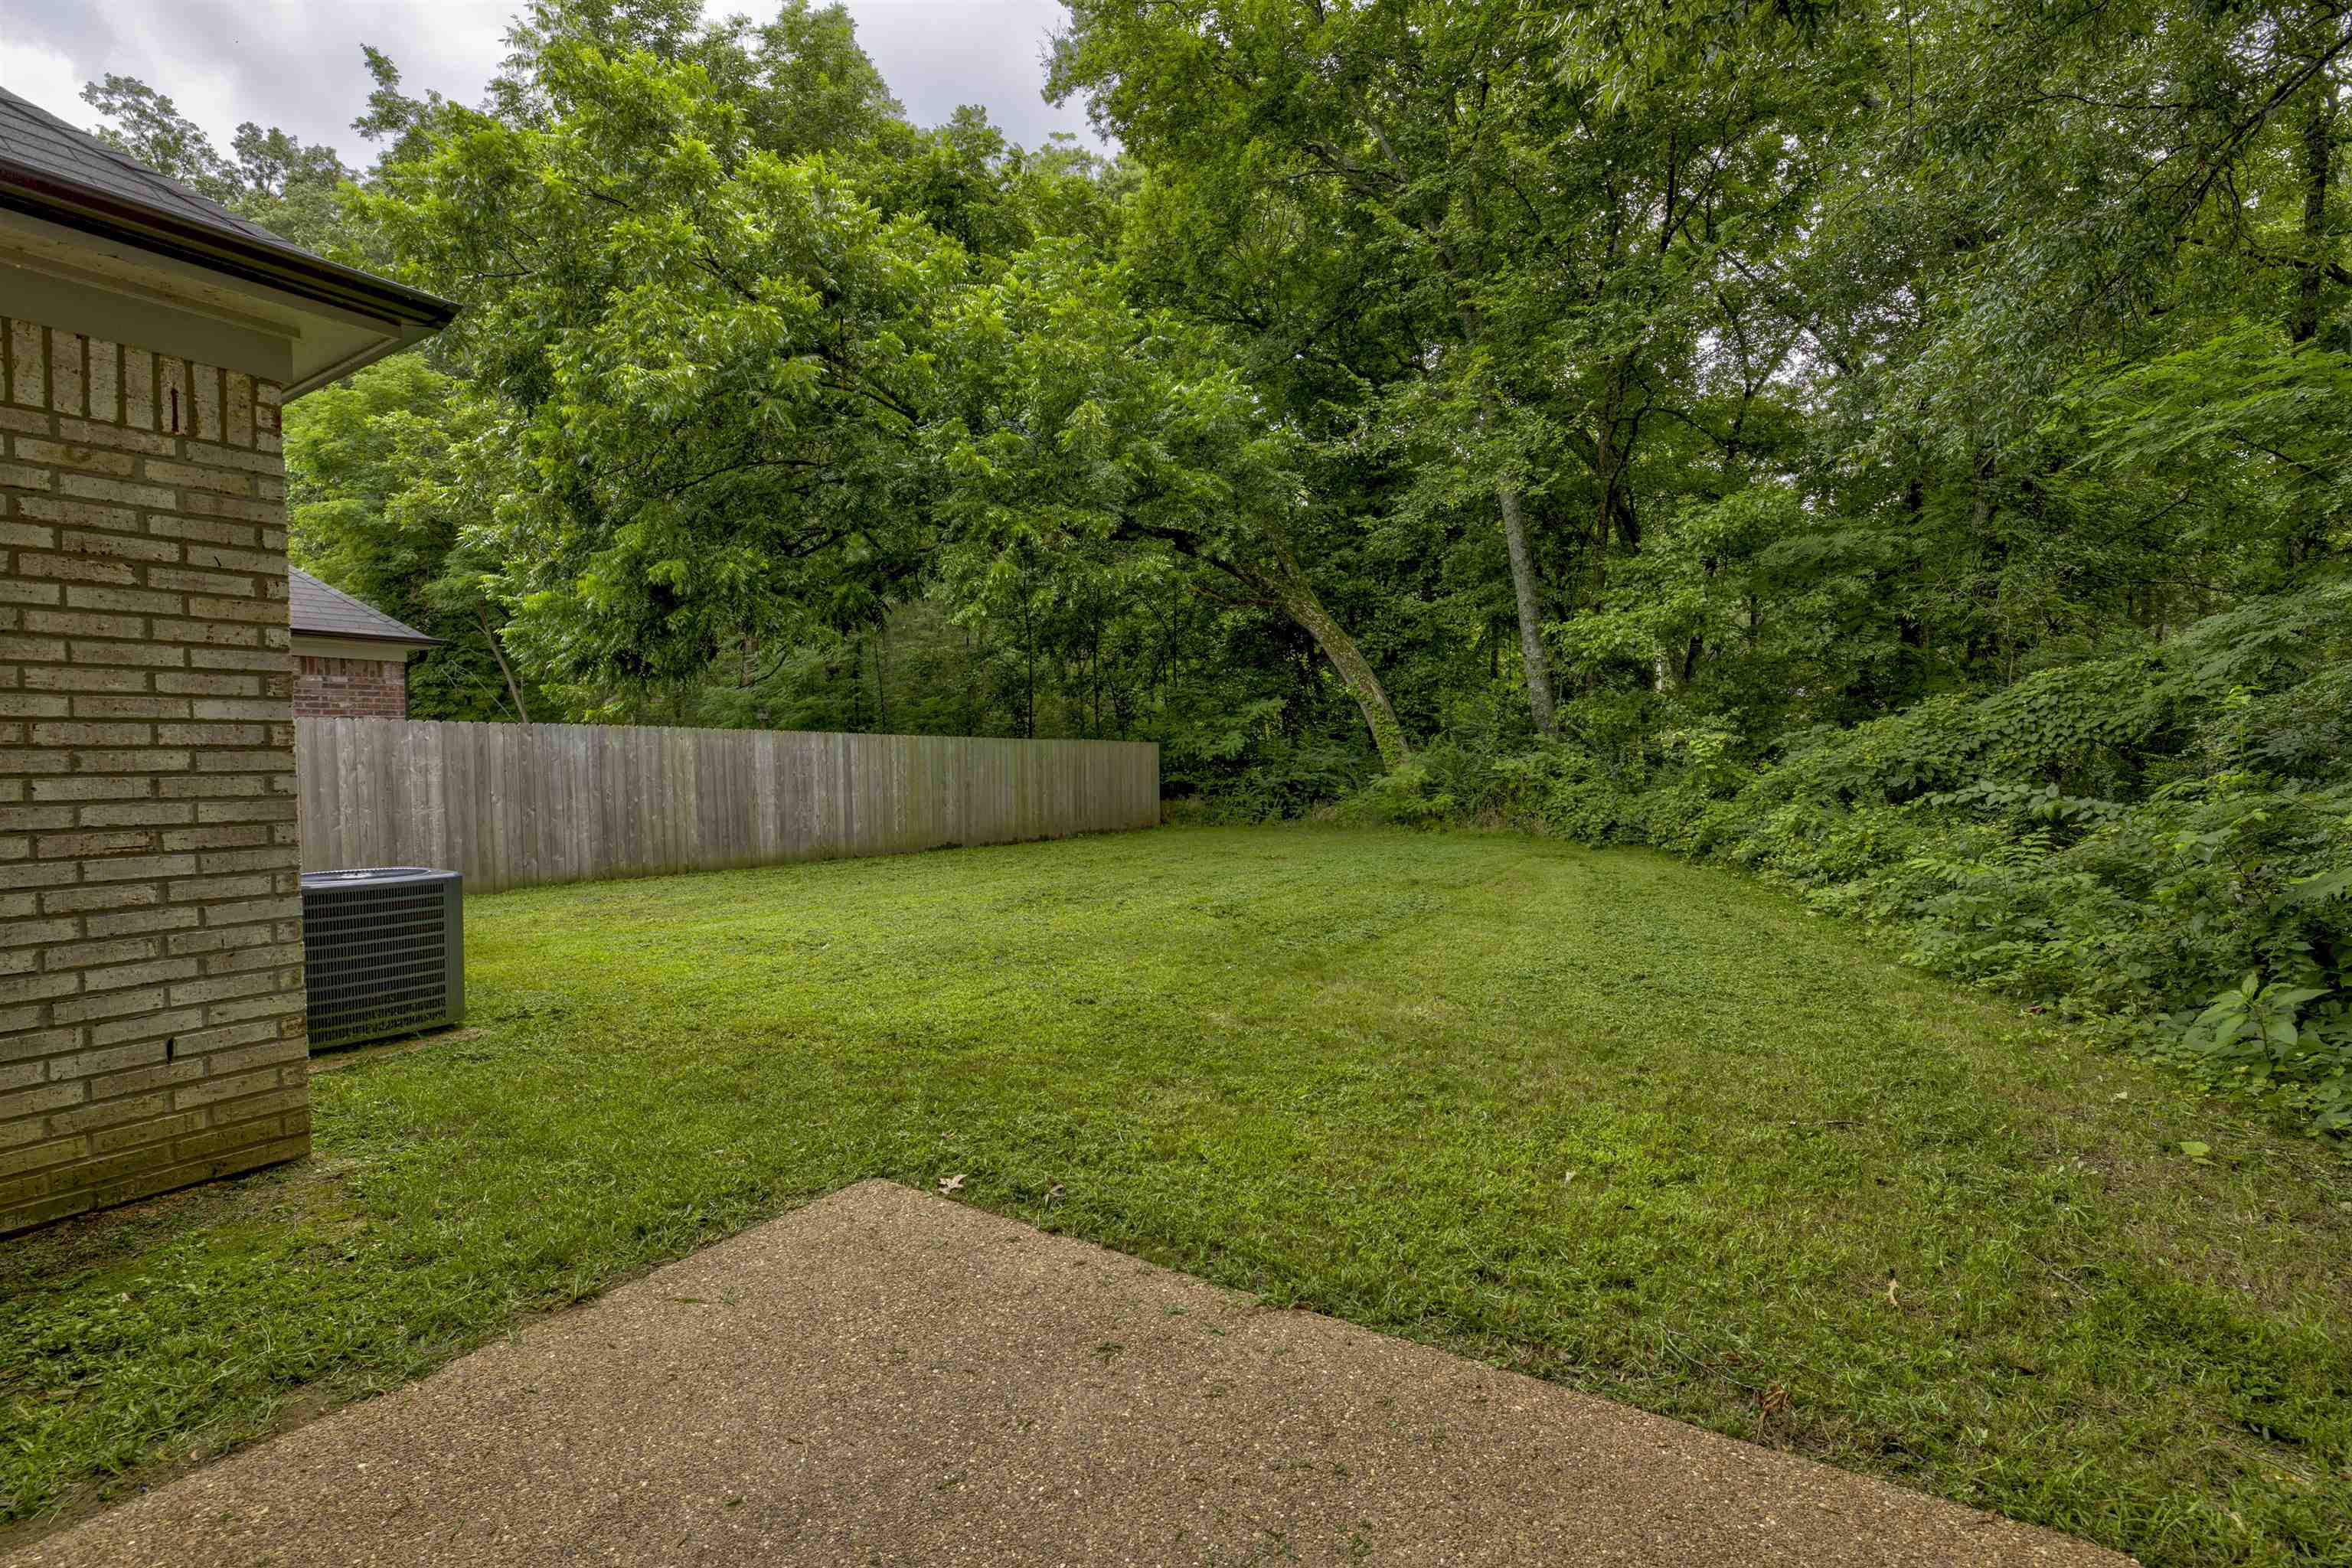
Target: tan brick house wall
[327, 688]
[150, 959]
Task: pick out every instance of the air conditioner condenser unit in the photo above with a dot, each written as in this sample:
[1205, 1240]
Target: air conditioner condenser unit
[385, 952]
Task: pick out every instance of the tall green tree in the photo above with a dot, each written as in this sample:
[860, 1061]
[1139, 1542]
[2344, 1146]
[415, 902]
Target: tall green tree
[739, 394]
[1542, 264]
[704, 360]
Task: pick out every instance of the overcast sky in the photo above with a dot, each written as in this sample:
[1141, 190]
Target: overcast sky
[295, 63]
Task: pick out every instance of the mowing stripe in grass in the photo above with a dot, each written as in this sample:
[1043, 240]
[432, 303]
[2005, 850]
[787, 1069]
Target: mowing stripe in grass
[1619, 1121]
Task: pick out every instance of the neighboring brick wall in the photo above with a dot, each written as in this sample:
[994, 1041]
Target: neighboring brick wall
[151, 957]
[350, 687]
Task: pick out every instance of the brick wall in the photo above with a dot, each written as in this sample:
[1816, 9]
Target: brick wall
[350, 687]
[150, 980]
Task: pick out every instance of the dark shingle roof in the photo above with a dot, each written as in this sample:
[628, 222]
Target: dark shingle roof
[318, 610]
[33, 137]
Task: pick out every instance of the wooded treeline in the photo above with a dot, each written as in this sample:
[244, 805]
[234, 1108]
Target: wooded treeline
[1900, 447]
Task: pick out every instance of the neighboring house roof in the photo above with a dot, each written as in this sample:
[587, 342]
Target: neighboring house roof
[320, 611]
[52, 172]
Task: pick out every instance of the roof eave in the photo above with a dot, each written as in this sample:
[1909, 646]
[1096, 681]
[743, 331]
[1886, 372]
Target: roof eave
[30, 191]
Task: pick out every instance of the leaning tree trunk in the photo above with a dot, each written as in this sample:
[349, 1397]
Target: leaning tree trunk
[1297, 600]
[498, 652]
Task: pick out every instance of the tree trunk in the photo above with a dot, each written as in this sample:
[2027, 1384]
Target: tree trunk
[1525, 590]
[498, 652]
[1028, 664]
[2318, 146]
[1609, 460]
[1299, 601]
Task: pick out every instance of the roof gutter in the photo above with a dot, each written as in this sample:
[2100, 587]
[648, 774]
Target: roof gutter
[325, 635]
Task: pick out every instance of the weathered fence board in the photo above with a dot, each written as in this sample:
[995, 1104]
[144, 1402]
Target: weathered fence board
[510, 807]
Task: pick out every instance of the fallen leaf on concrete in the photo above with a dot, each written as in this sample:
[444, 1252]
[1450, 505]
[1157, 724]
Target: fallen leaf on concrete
[950, 1185]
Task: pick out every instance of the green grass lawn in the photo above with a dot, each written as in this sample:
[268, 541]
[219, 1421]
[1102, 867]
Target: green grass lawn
[1614, 1121]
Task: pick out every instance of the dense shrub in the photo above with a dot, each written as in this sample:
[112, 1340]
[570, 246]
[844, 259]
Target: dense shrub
[2161, 836]
[1245, 777]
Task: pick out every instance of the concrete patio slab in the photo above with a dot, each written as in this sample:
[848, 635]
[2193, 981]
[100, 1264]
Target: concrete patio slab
[887, 1377]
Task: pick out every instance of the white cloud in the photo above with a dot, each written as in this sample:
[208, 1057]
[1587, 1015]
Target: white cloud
[297, 63]
[938, 53]
[35, 70]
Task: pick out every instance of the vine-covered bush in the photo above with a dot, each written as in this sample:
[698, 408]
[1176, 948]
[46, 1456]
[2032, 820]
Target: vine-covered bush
[2162, 836]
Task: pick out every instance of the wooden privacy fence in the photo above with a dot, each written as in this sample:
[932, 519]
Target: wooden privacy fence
[510, 805]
